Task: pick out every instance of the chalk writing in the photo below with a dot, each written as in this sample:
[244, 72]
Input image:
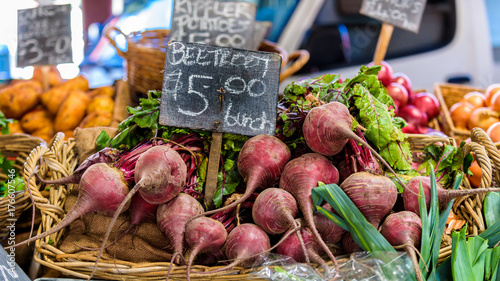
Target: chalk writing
[219, 23]
[405, 14]
[44, 35]
[220, 89]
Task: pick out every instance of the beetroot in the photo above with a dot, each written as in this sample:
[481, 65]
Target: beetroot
[172, 217]
[243, 246]
[299, 177]
[260, 163]
[160, 174]
[102, 190]
[203, 235]
[404, 229]
[328, 127]
[329, 231]
[106, 155]
[275, 210]
[410, 193]
[291, 247]
[374, 195]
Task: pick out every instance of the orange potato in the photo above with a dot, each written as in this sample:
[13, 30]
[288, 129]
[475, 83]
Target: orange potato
[97, 119]
[72, 111]
[101, 103]
[20, 98]
[53, 98]
[102, 91]
[35, 120]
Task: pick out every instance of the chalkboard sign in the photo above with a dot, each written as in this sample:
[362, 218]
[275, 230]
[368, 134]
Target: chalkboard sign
[9, 270]
[219, 23]
[44, 35]
[403, 14]
[220, 89]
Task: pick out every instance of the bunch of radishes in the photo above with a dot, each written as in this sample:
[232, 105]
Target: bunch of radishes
[417, 108]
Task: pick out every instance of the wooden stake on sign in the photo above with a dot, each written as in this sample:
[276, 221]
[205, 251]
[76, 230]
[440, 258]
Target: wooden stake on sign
[213, 168]
[45, 77]
[383, 43]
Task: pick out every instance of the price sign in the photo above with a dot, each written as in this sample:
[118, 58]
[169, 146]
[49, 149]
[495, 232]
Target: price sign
[403, 14]
[226, 24]
[44, 35]
[220, 89]
[9, 270]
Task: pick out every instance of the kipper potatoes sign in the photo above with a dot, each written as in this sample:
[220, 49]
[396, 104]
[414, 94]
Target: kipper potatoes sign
[220, 89]
[220, 23]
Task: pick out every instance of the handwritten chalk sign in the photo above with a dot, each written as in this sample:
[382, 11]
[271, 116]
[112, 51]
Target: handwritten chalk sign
[226, 24]
[9, 270]
[405, 14]
[44, 35]
[220, 89]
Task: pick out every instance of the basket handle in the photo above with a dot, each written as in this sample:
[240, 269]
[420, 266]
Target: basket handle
[482, 159]
[298, 58]
[480, 136]
[112, 41]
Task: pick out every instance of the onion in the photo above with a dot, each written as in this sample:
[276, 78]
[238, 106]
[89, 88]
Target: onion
[403, 80]
[483, 118]
[427, 103]
[477, 99]
[490, 91]
[494, 132]
[385, 73]
[460, 113]
[398, 93]
[413, 115]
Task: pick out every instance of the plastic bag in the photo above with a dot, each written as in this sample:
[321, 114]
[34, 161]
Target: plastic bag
[360, 266]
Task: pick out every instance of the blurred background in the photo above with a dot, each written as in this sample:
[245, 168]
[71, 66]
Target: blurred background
[458, 41]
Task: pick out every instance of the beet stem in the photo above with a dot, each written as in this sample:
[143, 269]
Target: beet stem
[411, 252]
[350, 134]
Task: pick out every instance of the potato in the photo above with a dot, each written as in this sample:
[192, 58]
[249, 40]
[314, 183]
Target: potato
[101, 103]
[15, 128]
[20, 98]
[46, 133]
[97, 119]
[102, 91]
[53, 98]
[53, 75]
[72, 111]
[35, 120]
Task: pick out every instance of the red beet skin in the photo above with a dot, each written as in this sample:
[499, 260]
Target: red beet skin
[374, 195]
[274, 210]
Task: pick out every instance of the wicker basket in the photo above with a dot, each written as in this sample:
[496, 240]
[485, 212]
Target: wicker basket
[449, 94]
[61, 160]
[145, 57]
[16, 147]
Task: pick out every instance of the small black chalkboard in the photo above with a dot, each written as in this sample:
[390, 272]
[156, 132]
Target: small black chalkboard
[9, 270]
[44, 35]
[403, 14]
[219, 23]
[220, 89]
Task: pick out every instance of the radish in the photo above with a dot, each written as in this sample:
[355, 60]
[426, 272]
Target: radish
[260, 162]
[299, 177]
[374, 195]
[172, 217]
[106, 155]
[329, 231]
[243, 245]
[404, 229]
[410, 193]
[328, 127]
[203, 235]
[274, 210]
[102, 190]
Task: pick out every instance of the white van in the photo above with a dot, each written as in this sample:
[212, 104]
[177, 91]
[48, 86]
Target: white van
[453, 43]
